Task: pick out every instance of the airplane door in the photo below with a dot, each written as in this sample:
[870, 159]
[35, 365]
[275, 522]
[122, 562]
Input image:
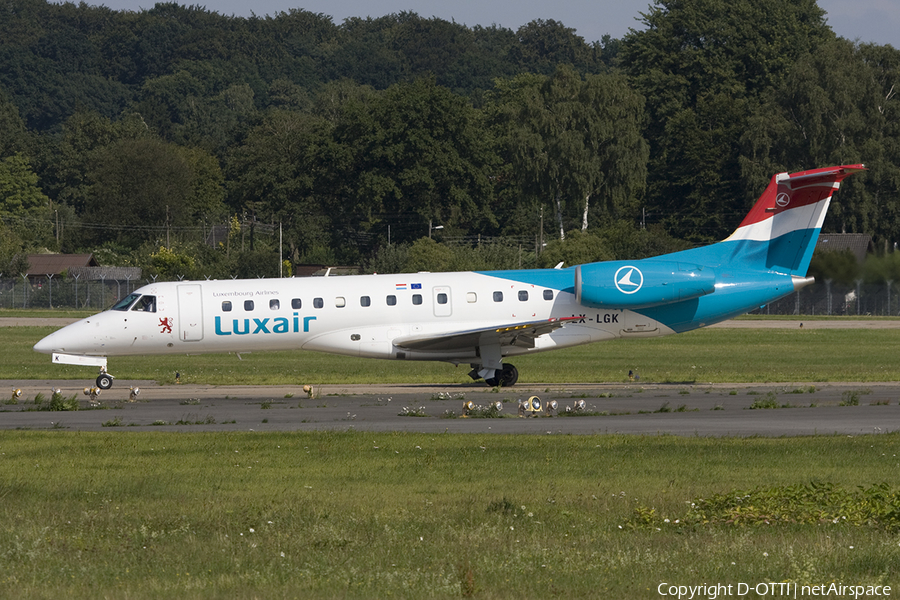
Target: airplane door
[190, 313]
[442, 304]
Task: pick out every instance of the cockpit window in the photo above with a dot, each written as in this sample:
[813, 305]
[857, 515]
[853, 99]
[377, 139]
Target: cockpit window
[125, 302]
[146, 304]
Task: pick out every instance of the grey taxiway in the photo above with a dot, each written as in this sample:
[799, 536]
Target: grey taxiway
[632, 408]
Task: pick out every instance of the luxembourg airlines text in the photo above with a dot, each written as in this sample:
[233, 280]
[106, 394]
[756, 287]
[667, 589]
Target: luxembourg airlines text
[277, 325]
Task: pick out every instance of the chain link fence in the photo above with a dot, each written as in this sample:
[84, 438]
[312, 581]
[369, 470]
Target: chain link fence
[828, 298]
[65, 292]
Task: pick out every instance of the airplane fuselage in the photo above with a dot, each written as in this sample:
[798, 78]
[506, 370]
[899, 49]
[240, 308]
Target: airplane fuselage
[364, 315]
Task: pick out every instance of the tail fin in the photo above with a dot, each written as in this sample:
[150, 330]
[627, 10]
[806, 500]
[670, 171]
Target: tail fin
[780, 231]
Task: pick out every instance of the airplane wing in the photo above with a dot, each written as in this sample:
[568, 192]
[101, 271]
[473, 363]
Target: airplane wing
[518, 334]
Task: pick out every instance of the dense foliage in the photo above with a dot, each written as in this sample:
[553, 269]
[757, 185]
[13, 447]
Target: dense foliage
[124, 132]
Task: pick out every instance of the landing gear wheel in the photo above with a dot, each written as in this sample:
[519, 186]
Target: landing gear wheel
[104, 381]
[509, 375]
[505, 377]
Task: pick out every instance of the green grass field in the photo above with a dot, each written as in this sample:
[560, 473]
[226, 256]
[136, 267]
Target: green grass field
[703, 356]
[361, 515]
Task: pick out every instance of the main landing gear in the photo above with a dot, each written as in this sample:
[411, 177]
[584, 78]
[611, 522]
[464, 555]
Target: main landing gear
[505, 377]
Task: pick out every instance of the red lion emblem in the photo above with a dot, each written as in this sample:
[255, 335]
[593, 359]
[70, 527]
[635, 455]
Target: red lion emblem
[166, 325]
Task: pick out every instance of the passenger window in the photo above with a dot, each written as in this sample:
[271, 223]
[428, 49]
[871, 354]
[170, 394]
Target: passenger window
[318, 303]
[295, 303]
[340, 302]
[548, 294]
[523, 295]
[471, 297]
[442, 298]
[145, 304]
[274, 304]
[392, 300]
[365, 301]
[248, 305]
[417, 299]
[226, 306]
[498, 296]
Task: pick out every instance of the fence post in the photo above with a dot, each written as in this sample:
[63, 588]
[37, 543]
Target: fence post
[890, 282]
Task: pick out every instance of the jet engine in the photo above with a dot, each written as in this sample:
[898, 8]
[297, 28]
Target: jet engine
[640, 284]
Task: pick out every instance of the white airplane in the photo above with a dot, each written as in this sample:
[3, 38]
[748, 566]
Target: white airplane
[479, 318]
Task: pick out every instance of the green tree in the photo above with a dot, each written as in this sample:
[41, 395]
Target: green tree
[207, 188]
[412, 156]
[840, 267]
[280, 162]
[20, 195]
[628, 242]
[12, 127]
[837, 106]
[425, 254]
[11, 246]
[545, 44]
[22, 203]
[703, 67]
[578, 247]
[65, 161]
[572, 141]
[878, 269]
[389, 258]
[171, 264]
[140, 188]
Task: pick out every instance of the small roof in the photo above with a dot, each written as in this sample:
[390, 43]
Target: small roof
[55, 264]
[857, 243]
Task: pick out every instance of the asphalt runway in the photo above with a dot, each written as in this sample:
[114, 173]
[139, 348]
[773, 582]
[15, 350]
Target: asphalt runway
[646, 409]
[637, 408]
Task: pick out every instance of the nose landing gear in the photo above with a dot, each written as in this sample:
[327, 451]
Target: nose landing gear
[104, 379]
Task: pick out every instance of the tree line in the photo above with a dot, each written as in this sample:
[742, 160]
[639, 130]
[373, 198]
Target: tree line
[134, 134]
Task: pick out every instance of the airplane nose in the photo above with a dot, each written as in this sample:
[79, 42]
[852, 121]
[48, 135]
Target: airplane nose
[75, 338]
[45, 345]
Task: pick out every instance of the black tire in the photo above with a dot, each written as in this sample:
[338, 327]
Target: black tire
[104, 381]
[505, 377]
[508, 376]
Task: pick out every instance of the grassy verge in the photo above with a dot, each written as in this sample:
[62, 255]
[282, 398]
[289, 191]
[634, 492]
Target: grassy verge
[362, 515]
[703, 356]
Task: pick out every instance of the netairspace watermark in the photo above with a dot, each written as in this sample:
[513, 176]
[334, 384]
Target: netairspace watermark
[771, 590]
